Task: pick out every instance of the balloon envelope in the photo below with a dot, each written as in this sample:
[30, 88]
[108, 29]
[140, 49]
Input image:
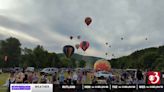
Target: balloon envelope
[78, 37]
[77, 46]
[68, 50]
[106, 43]
[71, 37]
[102, 65]
[88, 21]
[84, 45]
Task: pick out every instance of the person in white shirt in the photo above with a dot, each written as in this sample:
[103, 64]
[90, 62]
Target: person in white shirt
[74, 78]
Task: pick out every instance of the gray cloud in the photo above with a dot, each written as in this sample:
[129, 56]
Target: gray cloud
[53, 21]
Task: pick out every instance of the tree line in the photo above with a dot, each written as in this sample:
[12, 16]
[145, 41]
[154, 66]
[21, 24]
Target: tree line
[12, 55]
[146, 59]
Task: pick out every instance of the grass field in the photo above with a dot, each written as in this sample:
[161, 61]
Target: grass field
[3, 78]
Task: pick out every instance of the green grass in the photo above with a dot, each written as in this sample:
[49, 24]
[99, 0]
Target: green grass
[3, 89]
[3, 78]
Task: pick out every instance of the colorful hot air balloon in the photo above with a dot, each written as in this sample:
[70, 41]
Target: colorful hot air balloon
[68, 50]
[102, 65]
[88, 21]
[77, 46]
[84, 45]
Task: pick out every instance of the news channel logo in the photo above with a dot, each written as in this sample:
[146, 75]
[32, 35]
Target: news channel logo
[154, 77]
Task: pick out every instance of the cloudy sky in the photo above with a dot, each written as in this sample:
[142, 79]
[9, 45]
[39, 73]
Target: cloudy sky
[51, 22]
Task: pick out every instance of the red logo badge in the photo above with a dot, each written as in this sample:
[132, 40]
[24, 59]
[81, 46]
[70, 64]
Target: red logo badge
[154, 77]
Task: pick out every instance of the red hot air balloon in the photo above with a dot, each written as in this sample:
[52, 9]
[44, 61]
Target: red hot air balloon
[84, 45]
[77, 46]
[88, 21]
[68, 50]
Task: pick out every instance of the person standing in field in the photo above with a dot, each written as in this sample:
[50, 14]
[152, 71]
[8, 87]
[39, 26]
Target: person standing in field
[10, 81]
[19, 77]
[74, 78]
[61, 78]
[69, 78]
[84, 77]
[54, 78]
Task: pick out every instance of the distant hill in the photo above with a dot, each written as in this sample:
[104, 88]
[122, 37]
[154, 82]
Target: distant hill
[146, 59]
[90, 59]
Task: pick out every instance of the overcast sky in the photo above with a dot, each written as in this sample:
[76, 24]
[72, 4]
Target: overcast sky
[50, 23]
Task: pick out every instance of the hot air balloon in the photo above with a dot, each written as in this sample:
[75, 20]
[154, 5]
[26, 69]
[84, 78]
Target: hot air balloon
[71, 37]
[102, 65]
[78, 37]
[145, 38]
[68, 50]
[106, 53]
[106, 43]
[88, 21]
[84, 45]
[122, 38]
[77, 46]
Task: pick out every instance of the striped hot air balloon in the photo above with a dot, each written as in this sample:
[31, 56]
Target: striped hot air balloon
[68, 50]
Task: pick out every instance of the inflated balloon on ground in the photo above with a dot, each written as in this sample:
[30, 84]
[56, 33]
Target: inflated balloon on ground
[102, 65]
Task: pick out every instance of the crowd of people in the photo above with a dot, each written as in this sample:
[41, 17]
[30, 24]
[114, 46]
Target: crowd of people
[122, 78]
[75, 77]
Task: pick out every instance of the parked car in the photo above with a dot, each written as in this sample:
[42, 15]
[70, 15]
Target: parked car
[18, 69]
[49, 71]
[30, 69]
[103, 74]
[7, 70]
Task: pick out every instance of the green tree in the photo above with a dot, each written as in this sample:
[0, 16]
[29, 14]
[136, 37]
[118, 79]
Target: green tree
[11, 48]
[82, 64]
